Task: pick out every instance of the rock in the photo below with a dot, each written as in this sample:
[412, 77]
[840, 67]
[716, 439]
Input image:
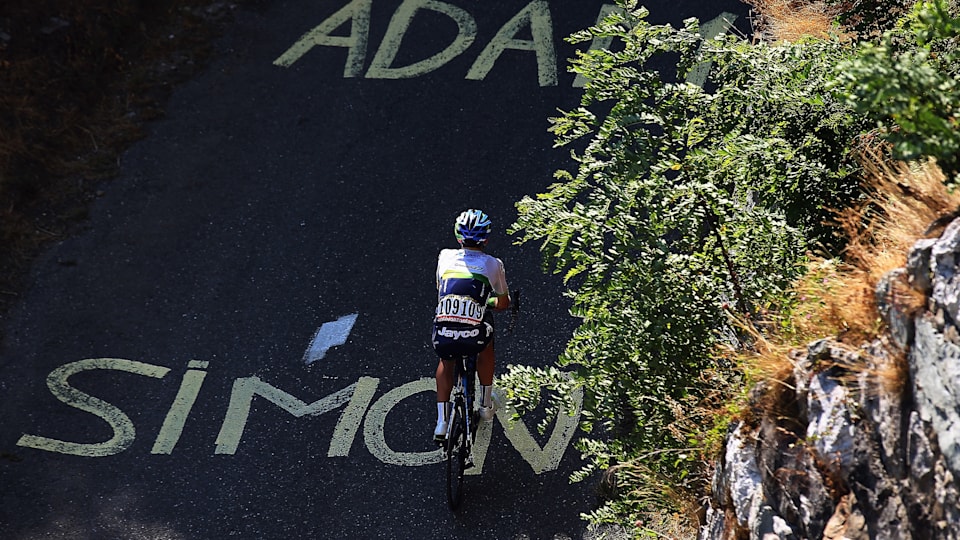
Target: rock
[852, 446]
[935, 366]
[742, 474]
[946, 497]
[946, 283]
[918, 265]
[830, 429]
[920, 456]
[767, 525]
[900, 322]
[714, 526]
[847, 522]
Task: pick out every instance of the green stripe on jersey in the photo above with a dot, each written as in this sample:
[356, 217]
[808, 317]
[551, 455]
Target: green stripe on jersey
[453, 274]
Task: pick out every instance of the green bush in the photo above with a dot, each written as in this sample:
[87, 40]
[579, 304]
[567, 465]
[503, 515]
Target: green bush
[684, 203]
[869, 17]
[688, 203]
[907, 85]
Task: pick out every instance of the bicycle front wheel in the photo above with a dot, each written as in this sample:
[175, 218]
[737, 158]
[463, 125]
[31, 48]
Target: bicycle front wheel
[456, 455]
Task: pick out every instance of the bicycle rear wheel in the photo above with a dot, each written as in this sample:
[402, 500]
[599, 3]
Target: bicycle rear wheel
[456, 455]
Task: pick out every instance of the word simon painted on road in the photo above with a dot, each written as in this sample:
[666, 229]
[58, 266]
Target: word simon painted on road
[357, 401]
[534, 20]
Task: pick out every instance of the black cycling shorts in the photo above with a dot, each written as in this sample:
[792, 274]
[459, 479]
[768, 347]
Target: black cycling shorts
[451, 340]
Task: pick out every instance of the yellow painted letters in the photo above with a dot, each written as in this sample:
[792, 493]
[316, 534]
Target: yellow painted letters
[358, 13]
[381, 68]
[537, 16]
[123, 430]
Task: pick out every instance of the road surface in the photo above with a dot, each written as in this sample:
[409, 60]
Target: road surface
[237, 345]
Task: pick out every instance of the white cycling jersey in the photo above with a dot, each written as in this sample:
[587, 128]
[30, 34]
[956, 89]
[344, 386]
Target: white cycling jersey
[472, 264]
[465, 279]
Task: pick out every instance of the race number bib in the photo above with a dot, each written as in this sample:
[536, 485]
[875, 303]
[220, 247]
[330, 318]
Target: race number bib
[460, 309]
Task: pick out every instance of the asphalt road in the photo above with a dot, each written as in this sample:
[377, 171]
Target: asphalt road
[237, 345]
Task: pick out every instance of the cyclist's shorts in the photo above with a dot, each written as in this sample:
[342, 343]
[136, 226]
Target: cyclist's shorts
[451, 339]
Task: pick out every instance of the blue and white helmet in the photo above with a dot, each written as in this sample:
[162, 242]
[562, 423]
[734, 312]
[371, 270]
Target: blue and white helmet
[472, 226]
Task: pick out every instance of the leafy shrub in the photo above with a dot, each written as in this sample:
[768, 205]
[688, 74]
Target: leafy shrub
[685, 203]
[869, 17]
[907, 84]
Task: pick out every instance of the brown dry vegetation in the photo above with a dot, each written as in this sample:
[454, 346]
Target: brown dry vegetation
[903, 200]
[78, 78]
[790, 20]
[836, 298]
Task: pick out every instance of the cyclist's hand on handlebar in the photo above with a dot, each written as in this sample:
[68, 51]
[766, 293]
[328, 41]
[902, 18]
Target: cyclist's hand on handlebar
[492, 304]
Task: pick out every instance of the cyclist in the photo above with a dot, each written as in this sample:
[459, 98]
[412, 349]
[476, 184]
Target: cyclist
[469, 281]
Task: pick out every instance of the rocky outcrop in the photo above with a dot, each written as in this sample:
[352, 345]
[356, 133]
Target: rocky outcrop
[858, 444]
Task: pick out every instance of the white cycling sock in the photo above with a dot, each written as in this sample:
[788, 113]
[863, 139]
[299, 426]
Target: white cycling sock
[443, 411]
[487, 393]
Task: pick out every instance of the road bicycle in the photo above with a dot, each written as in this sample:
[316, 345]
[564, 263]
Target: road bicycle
[464, 417]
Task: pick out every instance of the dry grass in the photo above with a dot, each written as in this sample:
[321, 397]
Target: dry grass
[768, 360]
[791, 20]
[891, 374]
[645, 485]
[837, 298]
[906, 199]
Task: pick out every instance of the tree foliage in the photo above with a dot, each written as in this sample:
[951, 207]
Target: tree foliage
[692, 203]
[869, 17]
[907, 84]
[684, 201]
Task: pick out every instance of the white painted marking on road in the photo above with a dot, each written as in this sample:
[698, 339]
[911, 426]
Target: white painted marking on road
[329, 335]
[173, 424]
[373, 426]
[356, 400]
[351, 417]
[599, 42]
[380, 67]
[711, 29]
[546, 458]
[536, 16]
[358, 13]
[242, 395]
[123, 431]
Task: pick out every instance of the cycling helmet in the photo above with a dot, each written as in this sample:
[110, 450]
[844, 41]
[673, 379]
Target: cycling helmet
[472, 227]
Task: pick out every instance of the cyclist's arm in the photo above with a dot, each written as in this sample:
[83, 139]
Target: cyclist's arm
[499, 302]
[498, 281]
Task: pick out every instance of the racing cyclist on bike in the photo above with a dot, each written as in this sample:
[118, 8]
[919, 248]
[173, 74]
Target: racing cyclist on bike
[469, 282]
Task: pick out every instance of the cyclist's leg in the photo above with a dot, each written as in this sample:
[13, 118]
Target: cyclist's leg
[444, 377]
[485, 359]
[485, 367]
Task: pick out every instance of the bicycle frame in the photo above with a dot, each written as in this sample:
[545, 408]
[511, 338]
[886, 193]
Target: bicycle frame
[462, 428]
[464, 375]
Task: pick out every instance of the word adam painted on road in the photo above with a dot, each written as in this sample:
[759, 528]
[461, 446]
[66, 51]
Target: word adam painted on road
[534, 20]
[356, 400]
